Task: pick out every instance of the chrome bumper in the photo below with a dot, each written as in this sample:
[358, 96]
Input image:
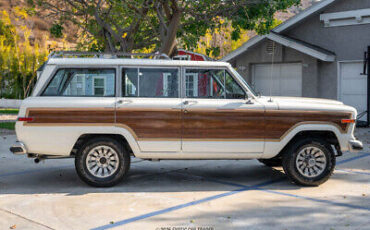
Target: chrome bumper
[355, 145]
[18, 148]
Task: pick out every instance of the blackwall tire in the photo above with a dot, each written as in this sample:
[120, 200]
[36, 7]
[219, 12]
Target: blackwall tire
[309, 162]
[102, 162]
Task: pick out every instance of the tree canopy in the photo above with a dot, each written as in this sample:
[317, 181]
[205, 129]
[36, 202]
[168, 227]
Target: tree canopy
[160, 25]
[19, 59]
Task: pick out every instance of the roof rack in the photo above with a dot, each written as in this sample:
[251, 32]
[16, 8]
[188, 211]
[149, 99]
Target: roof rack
[71, 54]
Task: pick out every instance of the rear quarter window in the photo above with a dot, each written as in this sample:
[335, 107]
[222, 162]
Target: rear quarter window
[82, 83]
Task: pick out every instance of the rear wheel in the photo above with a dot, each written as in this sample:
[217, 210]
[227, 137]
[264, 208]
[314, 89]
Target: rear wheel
[309, 162]
[102, 162]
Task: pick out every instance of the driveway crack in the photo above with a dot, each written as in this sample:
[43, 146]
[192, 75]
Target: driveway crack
[25, 218]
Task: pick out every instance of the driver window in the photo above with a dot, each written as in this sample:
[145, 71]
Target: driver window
[211, 83]
[204, 83]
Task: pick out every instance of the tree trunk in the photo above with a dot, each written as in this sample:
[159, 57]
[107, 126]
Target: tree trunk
[170, 39]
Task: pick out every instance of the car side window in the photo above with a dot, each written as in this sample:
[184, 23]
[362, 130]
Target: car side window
[150, 82]
[233, 89]
[82, 83]
[204, 83]
[211, 83]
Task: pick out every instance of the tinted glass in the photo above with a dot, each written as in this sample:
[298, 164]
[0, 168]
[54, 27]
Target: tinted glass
[82, 83]
[150, 82]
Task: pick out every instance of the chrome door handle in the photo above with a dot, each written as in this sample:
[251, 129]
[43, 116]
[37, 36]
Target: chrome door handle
[188, 102]
[123, 101]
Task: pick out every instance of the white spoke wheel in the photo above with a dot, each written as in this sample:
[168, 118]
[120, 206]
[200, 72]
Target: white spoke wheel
[309, 161]
[102, 162]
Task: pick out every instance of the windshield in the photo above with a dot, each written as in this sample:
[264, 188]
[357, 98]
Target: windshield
[236, 74]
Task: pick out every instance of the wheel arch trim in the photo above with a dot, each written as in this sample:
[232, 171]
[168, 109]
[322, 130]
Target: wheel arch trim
[273, 147]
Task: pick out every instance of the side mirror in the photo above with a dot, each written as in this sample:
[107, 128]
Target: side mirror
[248, 100]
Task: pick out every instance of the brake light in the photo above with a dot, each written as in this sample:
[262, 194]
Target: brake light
[348, 121]
[25, 119]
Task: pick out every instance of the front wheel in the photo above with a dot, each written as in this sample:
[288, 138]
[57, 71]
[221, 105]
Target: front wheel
[102, 162]
[309, 162]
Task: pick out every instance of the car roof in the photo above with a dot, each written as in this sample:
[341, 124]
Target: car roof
[133, 62]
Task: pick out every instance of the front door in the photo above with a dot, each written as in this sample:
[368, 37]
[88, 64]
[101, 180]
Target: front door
[150, 107]
[216, 115]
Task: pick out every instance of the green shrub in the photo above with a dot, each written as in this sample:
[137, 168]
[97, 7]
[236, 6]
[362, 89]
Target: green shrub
[9, 111]
[7, 125]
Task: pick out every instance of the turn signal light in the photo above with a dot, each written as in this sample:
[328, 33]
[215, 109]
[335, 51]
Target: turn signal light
[348, 121]
[25, 119]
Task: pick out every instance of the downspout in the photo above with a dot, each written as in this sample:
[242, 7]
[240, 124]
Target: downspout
[368, 86]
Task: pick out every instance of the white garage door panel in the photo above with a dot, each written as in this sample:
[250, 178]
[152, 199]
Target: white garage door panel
[286, 79]
[353, 88]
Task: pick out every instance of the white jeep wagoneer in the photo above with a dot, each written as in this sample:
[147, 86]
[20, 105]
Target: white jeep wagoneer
[101, 111]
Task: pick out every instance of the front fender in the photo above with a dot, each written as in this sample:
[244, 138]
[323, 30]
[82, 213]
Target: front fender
[273, 147]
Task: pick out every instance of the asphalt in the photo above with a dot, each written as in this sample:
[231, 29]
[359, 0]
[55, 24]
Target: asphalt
[182, 195]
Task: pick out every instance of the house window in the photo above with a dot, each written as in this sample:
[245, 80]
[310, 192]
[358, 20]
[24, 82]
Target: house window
[191, 82]
[182, 57]
[99, 86]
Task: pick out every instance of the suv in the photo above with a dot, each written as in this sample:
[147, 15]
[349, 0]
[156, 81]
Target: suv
[101, 111]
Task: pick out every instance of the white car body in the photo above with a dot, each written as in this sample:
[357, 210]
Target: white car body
[58, 139]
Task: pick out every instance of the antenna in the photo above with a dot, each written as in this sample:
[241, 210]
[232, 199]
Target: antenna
[272, 69]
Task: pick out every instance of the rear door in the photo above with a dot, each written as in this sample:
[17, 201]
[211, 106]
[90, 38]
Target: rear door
[150, 107]
[216, 115]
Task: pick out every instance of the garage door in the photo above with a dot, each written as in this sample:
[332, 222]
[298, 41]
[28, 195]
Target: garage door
[353, 86]
[286, 79]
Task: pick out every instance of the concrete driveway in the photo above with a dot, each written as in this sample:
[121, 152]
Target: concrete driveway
[182, 195]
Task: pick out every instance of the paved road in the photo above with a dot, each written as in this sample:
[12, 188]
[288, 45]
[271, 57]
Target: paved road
[166, 194]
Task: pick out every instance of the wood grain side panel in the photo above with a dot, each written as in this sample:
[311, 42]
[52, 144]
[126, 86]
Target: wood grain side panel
[152, 123]
[278, 122]
[196, 124]
[71, 116]
[252, 124]
[234, 124]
